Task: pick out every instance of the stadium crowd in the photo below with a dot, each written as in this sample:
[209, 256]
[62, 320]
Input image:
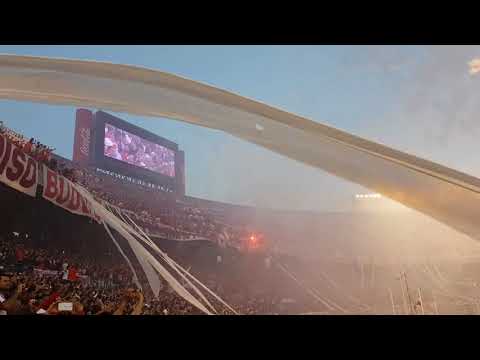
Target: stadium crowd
[156, 214]
[35, 149]
[39, 281]
[36, 280]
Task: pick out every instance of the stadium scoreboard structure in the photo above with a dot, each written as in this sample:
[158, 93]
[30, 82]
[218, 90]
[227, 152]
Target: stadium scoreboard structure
[113, 145]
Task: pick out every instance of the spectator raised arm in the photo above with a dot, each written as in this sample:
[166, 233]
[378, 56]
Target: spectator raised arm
[137, 310]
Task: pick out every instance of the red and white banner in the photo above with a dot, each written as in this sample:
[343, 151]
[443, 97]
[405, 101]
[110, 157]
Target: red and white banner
[44, 272]
[17, 169]
[62, 192]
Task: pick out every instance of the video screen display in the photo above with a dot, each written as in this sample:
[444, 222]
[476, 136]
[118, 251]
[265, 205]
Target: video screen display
[134, 150]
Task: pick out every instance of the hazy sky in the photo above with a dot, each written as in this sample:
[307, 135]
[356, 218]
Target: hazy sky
[423, 100]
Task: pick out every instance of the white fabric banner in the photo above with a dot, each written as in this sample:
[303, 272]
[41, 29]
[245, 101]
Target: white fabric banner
[447, 195]
[146, 259]
[135, 276]
[174, 265]
[17, 170]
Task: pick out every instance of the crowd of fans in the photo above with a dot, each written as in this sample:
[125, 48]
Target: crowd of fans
[35, 281]
[33, 148]
[154, 211]
[157, 212]
[41, 281]
[51, 281]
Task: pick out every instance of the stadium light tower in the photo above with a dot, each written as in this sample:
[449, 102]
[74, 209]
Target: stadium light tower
[366, 201]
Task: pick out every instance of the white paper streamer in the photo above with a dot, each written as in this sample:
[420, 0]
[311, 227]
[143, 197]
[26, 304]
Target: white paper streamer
[144, 256]
[135, 277]
[182, 271]
[168, 260]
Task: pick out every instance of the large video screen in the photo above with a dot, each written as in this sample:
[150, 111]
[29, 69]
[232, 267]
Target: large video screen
[134, 150]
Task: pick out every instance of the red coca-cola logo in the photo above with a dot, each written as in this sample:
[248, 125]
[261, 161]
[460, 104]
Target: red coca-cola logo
[84, 141]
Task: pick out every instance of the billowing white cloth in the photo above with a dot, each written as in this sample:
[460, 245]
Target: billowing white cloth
[135, 277]
[442, 193]
[148, 241]
[150, 265]
[170, 262]
[150, 272]
[182, 272]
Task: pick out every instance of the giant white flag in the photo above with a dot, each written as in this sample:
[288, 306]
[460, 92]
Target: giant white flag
[447, 195]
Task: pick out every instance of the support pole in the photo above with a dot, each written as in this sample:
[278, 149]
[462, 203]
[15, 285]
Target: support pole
[405, 307]
[412, 311]
[421, 301]
[435, 304]
[391, 299]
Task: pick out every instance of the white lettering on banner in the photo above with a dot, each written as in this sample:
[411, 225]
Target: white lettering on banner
[17, 170]
[62, 192]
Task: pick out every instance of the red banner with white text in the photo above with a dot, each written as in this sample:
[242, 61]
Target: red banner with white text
[62, 192]
[17, 169]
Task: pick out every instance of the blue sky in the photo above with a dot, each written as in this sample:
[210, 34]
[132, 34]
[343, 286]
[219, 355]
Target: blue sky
[418, 99]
